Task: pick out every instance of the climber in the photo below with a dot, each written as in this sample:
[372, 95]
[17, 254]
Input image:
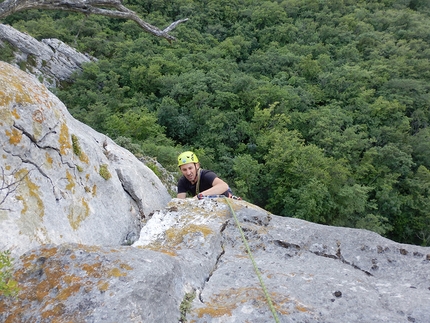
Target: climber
[199, 182]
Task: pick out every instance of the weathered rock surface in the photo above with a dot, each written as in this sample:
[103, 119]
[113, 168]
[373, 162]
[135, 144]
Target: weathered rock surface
[313, 273]
[78, 283]
[61, 181]
[69, 197]
[50, 60]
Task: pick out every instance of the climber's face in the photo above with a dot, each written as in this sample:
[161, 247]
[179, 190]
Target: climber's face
[190, 171]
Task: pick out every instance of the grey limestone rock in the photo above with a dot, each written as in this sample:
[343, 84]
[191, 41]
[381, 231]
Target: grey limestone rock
[61, 181]
[311, 272]
[50, 60]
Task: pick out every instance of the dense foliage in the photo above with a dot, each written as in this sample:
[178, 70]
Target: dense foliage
[317, 109]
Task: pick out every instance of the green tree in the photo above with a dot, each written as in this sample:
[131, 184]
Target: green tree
[247, 178]
[314, 109]
[413, 223]
[420, 143]
[137, 124]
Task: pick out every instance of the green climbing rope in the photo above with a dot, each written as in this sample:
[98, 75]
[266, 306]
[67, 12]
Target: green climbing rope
[257, 271]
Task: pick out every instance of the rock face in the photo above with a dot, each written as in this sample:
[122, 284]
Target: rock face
[50, 60]
[312, 273]
[61, 181]
[69, 197]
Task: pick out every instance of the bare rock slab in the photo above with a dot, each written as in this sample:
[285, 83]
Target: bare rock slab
[311, 272]
[61, 181]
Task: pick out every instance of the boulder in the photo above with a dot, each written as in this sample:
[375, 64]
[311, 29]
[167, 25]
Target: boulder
[61, 181]
[50, 60]
[191, 264]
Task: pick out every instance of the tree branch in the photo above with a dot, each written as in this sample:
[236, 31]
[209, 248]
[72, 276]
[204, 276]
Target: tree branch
[88, 7]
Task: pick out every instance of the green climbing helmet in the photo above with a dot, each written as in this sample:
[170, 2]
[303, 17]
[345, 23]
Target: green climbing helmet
[187, 157]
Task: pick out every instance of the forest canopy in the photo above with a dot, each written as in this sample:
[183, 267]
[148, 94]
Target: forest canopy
[316, 109]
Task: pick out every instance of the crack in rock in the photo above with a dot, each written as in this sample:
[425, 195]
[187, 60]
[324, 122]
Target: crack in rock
[58, 194]
[341, 258]
[128, 188]
[338, 256]
[55, 190]
[257, 220]
[211, 273]
[218, 260]
[37, 142]
[292, 249]
[7, 188]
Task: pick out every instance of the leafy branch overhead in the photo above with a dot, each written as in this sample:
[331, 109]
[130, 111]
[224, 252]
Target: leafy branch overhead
[108, 8]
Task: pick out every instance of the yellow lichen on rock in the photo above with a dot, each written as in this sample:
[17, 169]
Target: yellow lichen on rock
[93, 269]
[71, 182]
[28, 193]
[68, 291]
[116, 272]
[160, 248]
[175, 236]
[14, 89]
[15, 136]
[78, 213]
[64, 139]
[15, 114]
[103, 286]
[125, 266]
[224, 303]
[49, 160]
